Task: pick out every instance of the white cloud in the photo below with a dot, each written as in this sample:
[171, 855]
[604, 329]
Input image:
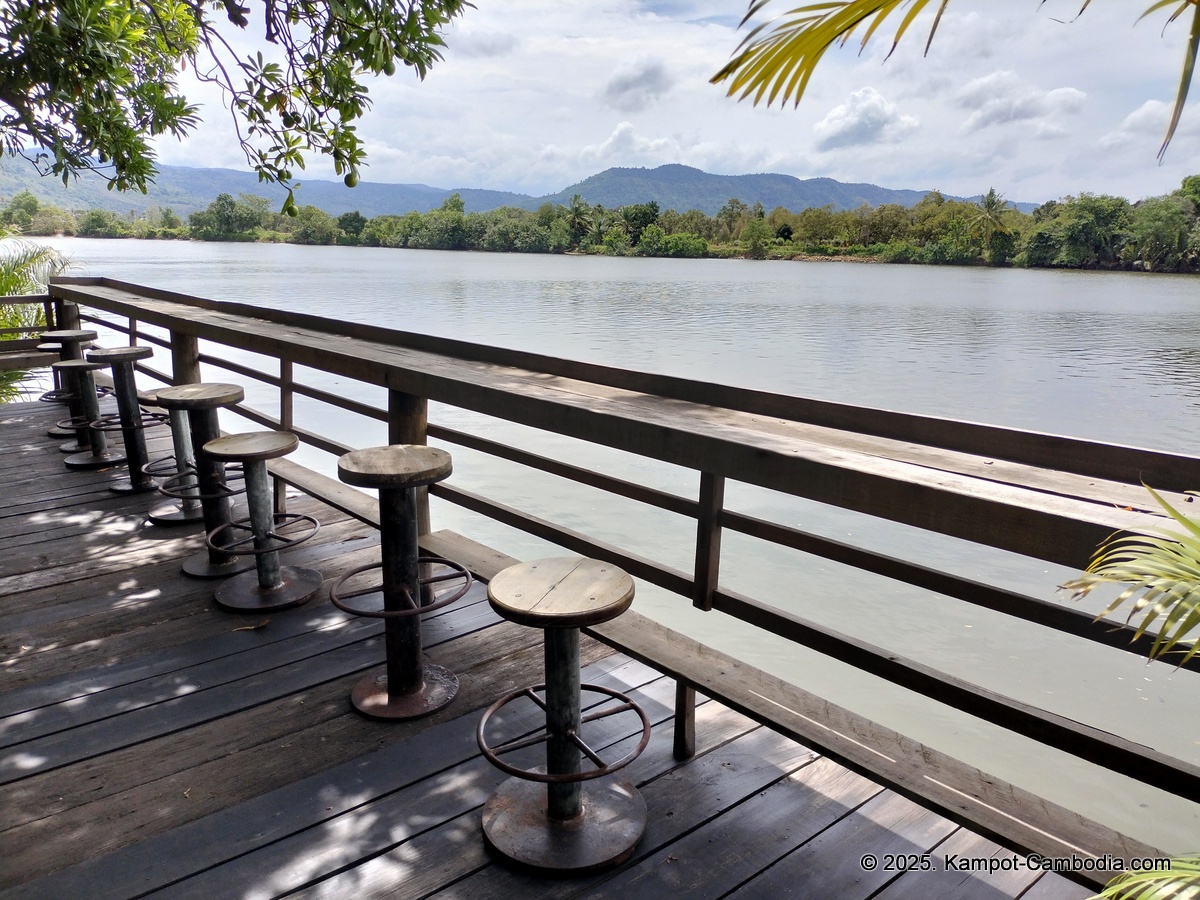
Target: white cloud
[624, 144]
[482, 44]
[586, 86]
[636, 84]
[867, 117]
[1001, 98]
[1148, 119]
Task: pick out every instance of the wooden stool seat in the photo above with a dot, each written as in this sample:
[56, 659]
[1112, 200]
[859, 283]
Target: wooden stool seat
[77, 365]
[251, 446]
[562, 592]
[49, 347]
[75, 336]
[120, 354]
[200, 396]
[395, 466]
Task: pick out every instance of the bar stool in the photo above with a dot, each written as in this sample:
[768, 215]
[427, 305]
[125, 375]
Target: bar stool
[130, 419]
[408, 688]
[270, 587]
[200, 403]
[59, 393]
[69, 344]
[180, 468]
[574, 824]
[98, 455]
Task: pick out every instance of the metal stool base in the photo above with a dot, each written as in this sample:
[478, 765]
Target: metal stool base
[243, 593]
[56, 432]
[90, 460]
[604, 834]
[370, 695]
[73, 447]
[200, 566]
[173, 514]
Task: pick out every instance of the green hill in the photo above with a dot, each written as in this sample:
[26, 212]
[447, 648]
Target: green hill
[676, 187]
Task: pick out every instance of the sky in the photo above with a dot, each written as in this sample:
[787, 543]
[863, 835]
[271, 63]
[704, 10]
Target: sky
[1022, 96]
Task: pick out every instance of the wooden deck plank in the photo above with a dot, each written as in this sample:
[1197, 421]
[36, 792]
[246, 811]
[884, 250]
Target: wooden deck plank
[184, 699]
[886, 825]
[416, 752]
[382, 817]
[945, 881]
[734, 846]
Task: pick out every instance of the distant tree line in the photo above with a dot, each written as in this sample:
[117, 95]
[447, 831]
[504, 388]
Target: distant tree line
[1160, 234]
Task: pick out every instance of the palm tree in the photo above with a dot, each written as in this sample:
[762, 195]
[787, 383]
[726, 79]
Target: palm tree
[778, 57]
[579, 217]
[25, 268]
[987, 221]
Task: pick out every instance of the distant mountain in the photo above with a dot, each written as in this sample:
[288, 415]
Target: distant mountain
[683, 188]
[677, 187]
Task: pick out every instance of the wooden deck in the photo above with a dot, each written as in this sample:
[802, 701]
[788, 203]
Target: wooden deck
[152, 744]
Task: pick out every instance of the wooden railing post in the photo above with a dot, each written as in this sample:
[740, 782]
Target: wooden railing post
[185, 358]
[408, 421]
[684, 744]
[708, 539]
[286, 413]
[68, 317]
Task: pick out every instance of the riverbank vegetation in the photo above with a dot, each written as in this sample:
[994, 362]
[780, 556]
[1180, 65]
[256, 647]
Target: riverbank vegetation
[1091, 231]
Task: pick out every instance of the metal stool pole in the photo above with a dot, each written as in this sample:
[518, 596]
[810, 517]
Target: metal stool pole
[410, 687]
[271, 586]
[100, 456]
[189, 508]
[70, 346]
[565, 826]
[201, 402]
[132, 420]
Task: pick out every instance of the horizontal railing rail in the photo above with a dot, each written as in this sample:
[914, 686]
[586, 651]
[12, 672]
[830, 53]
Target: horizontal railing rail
[1045, 485]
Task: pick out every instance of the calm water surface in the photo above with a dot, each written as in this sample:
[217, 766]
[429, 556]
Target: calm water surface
[1109, 356]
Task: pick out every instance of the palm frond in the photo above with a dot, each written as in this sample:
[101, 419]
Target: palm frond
[778, 57]
[1180, 882]
[1161, 575]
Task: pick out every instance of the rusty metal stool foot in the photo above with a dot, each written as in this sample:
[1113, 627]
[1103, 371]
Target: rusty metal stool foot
[200, 402]
[271, 586]
[409, 688]
[575, 823]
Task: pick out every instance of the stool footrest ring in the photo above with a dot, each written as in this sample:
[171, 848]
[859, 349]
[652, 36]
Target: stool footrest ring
[162, 467]
[602, 768]
[279, 541]
[174, 488]
[338, 597]
[73, 422]
[143, 420]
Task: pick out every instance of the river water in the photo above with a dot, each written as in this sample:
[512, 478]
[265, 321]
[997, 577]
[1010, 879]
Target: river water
[1110, 356]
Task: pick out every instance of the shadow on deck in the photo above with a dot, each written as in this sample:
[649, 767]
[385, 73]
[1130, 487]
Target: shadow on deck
[152, 744]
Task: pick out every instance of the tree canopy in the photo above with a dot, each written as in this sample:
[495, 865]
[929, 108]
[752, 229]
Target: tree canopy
[778, 56]
[86, 84]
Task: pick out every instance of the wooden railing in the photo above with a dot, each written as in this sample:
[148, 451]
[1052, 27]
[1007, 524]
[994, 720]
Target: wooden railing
[1044, 496]
[19, 353]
